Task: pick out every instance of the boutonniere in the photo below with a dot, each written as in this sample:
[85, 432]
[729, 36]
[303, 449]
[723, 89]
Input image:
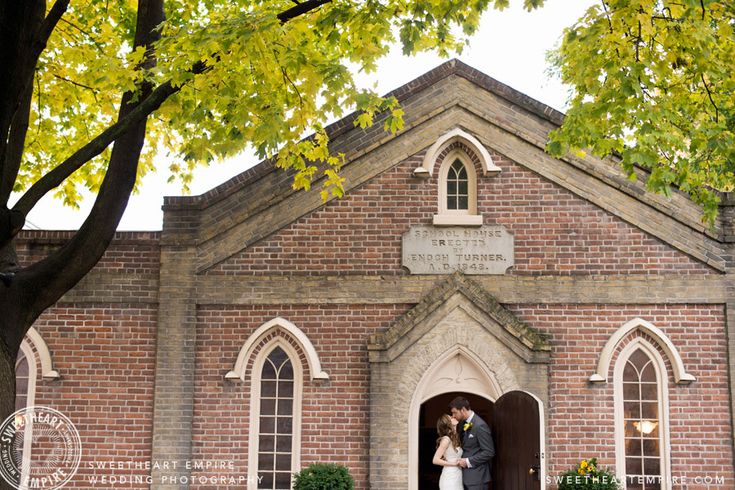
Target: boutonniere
[467, 426]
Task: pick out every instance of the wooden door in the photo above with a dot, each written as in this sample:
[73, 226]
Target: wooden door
[516, 432]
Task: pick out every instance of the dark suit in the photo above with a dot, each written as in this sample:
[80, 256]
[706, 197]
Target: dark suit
[478, 448]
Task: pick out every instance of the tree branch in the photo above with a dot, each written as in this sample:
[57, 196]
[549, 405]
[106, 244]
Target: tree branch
[16, 143]
[50, 278]
[607, 15]
[19, 22]
[82, 31]
[712, 101]
[77, 84]
[13, 152]
[300, 9]
[96, 146]
[49, 24]
[44, 282]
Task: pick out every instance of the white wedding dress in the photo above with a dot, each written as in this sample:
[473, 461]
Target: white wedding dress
[451, 478]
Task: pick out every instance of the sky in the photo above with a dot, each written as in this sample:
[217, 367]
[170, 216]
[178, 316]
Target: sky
[510, 46]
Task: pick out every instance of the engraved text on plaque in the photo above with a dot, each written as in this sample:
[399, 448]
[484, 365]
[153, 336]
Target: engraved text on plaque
[433, 250]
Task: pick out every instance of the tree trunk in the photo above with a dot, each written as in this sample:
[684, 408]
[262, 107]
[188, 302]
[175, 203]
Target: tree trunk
[25, 294]
[7, 388]
[8, 260]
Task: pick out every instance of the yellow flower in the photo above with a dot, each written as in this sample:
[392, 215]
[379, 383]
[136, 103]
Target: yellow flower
[467, 426]
[580, 471]
[583, 464]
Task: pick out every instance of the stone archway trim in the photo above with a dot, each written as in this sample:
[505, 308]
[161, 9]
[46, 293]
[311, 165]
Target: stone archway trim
[420, 396]
[312, 358]
[44, 355]
[681, 376]
[532, 345]
[456, 134]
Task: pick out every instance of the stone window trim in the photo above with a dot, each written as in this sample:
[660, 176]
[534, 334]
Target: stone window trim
[25, 376]
[659, 366]
[456, 145]
[239, 371]
[254, 410]
[426, 169]
[465, 217]
[681, 376]
[35, 352]
[34, 340]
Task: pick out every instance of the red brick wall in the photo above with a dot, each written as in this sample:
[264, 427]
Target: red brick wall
[555, 231]
[335, 412]
[105, 355]
[581, 415]
[106, 358]
[578, 411]
[129, 252]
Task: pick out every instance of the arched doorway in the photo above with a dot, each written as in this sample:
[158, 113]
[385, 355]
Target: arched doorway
[429, 413]
[516, 421]
[457, 371]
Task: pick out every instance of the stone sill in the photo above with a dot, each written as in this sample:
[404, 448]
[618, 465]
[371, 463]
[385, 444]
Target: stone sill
[458, 220]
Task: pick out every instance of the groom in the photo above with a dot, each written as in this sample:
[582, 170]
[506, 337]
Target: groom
[477, 445]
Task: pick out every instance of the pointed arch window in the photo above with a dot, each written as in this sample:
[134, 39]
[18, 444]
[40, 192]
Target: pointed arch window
[23, 380]
[276, 421]
[457, 191]
[641, 420]
[457, 187]
[273, 355]
[275, 438]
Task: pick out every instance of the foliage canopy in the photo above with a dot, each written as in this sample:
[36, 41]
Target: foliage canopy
[652, 83]
[266, 84]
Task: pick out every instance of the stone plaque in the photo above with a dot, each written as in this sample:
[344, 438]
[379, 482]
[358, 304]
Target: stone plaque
[434, 250]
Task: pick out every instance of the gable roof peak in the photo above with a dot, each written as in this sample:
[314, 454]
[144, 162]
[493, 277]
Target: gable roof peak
[451, 67]
[457, 67]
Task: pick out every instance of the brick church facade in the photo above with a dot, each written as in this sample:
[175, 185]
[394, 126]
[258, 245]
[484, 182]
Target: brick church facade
[263, 330]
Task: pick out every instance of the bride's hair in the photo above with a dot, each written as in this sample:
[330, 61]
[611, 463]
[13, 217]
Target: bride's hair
[444, 427]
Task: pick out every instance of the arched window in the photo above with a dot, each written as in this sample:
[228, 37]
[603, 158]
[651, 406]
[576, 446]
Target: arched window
[275, 438]
[32, 353]
[276, 421]
[641, 421]
[25, 391]
[457, 187]
[275, 351]
[22, 380]
[457, 191]
[456, 149]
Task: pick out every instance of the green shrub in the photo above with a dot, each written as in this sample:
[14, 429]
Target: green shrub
[323, 477]
[587, 476]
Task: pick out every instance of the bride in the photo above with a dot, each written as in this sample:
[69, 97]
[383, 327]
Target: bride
[448, 452]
